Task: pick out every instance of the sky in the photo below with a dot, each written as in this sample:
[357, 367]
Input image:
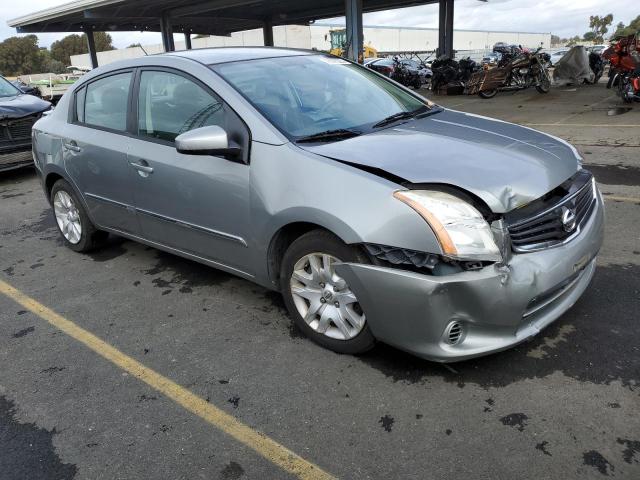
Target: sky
[565, 18]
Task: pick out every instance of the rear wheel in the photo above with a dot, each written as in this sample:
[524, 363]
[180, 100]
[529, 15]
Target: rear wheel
[78, 233]
[488, 93]
[625, 90]
[322, 304]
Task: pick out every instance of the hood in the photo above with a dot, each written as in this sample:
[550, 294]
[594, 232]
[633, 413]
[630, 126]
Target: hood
[505, 165]
[21, 105]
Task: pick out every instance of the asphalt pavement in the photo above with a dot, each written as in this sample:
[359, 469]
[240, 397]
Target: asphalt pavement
[564, 405]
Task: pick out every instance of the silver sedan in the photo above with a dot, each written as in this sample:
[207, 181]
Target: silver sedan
[378, 215]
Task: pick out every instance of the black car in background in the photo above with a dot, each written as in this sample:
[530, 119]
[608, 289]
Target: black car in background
[18, 113]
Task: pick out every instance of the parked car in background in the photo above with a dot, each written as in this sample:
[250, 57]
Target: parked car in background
[382, 65]
[597, 49]
[18, 113]
[554, 57]
[446, 234]
[491, 59]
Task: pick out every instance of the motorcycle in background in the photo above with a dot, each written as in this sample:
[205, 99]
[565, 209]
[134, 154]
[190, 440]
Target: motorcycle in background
[451, 75]
[522, 71]
[403, 74]
[624, 71]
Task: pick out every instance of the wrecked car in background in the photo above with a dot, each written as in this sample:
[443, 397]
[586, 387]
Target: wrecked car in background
[18, 113]
[445, 234]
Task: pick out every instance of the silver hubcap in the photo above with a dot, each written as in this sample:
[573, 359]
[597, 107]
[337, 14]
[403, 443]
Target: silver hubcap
[67, 216]
[324, 299]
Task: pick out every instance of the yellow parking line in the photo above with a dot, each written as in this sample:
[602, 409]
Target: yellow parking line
[621, 199]
[270, 449]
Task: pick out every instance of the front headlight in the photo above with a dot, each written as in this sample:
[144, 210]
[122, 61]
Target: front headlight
[461, 230]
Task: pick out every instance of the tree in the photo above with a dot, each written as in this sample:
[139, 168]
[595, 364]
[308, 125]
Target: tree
[599, 26]
[20, 56]
[573, 40]
[631, 29]
[50, 65]
[589, 37]
[134, 45]
[61, 50]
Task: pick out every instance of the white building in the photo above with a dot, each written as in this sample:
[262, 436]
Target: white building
[316, 36]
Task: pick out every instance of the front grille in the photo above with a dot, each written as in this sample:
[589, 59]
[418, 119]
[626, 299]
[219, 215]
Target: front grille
[15, 158]
[551, 296]
[556, 218]
[17, 130]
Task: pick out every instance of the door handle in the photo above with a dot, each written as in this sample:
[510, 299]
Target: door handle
[143, 168]
[72, 146]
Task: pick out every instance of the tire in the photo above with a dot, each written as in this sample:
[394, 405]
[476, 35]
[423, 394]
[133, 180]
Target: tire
[544, 84]
[323, 302]
[67, 206]
[597, 77]
[488, 93]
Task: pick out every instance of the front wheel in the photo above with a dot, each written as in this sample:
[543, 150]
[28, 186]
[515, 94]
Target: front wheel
[544, 83]
[322, 304]
[488, 93]
[597, 77]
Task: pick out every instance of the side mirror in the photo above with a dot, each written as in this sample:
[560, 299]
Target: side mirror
[211, 140]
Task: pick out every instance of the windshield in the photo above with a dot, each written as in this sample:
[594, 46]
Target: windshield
[310, 94]
[7, 89]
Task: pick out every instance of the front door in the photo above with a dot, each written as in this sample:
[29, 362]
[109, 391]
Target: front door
[95, 151]
[198, 204]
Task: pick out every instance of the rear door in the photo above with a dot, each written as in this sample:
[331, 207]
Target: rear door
[198, 204]
[95, 148]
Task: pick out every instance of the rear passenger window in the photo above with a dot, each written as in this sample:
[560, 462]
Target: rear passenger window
[105, 102]
[80, 94]
[170, 104]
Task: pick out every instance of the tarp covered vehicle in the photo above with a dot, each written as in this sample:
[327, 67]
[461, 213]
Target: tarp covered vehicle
[573, 68]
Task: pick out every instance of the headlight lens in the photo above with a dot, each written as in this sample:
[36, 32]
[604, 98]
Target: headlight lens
[462, 231]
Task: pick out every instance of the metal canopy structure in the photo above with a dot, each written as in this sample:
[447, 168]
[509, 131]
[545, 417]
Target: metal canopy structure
[217, 17]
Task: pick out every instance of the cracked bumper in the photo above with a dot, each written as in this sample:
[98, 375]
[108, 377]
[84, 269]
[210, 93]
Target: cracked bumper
[497, 307]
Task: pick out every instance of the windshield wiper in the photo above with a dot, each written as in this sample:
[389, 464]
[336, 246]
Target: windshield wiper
[422, 111]
[338, 134]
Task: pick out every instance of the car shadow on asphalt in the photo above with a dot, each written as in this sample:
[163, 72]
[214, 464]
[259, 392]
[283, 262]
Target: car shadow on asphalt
[16, 176]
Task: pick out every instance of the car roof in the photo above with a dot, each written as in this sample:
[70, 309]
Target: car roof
[210, 56]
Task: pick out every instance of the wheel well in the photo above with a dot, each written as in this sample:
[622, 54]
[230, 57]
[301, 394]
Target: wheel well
[49, 181]
[281, 242]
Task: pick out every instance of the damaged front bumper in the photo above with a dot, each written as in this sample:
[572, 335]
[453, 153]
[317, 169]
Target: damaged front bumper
[483, 311]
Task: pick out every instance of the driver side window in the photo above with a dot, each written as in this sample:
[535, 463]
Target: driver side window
[170, 104]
